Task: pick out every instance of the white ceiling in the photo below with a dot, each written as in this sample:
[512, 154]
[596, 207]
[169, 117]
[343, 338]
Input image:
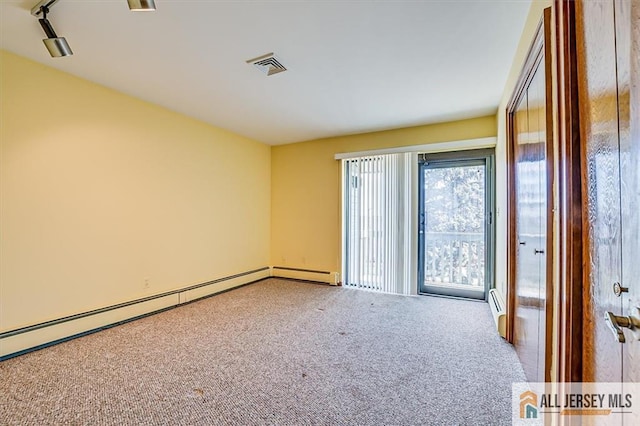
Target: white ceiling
[354, 66]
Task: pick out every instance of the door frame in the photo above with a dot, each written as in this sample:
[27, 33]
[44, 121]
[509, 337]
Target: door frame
[540, 46]
[569, 338]
[453, 158]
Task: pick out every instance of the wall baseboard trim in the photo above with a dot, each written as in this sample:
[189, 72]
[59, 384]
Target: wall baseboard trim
[37, 336]
[332, 278]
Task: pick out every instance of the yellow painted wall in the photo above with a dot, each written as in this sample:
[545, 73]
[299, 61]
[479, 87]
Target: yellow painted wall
[528, 32]
[305, 192]
[100, 191]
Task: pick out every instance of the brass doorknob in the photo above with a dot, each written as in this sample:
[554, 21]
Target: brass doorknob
[617, 323]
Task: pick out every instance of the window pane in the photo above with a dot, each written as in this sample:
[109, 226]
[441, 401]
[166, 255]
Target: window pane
[454, 209]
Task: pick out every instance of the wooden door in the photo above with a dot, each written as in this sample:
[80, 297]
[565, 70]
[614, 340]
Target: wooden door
[630, 148]
[608, 51]
[526, 333]
[530, 143]
[530, 162]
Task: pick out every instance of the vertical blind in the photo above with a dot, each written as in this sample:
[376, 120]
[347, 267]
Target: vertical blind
[378, 232]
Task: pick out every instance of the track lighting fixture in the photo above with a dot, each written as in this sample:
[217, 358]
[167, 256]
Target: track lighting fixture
[58, 46]
[142, 5]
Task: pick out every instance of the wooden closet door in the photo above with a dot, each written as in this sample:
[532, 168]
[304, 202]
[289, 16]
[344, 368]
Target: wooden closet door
[526, 338]
[531, 175]
[531, 220]
[538, 129]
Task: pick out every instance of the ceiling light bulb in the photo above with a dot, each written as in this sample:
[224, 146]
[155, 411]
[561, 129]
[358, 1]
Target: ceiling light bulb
[57, 46]
[142, 5]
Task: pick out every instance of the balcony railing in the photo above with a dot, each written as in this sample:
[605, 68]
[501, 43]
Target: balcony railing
[455, 259]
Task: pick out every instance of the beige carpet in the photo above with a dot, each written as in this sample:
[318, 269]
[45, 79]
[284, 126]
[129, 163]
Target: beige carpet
[275, 352]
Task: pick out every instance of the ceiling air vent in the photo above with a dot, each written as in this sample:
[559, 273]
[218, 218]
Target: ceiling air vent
[269, 64]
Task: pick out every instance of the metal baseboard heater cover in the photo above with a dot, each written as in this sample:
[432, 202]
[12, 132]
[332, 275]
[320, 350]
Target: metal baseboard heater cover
[332, 278]
[499, 311]
[37, 336]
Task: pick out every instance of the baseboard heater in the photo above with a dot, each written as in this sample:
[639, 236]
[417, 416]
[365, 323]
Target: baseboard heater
[332, 278]
[37, 336]
[499, 311]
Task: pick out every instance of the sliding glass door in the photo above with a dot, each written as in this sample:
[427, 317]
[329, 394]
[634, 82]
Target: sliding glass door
[456, 224]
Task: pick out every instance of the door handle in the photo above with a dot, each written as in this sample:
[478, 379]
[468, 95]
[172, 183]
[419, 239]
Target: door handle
[617, 323]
